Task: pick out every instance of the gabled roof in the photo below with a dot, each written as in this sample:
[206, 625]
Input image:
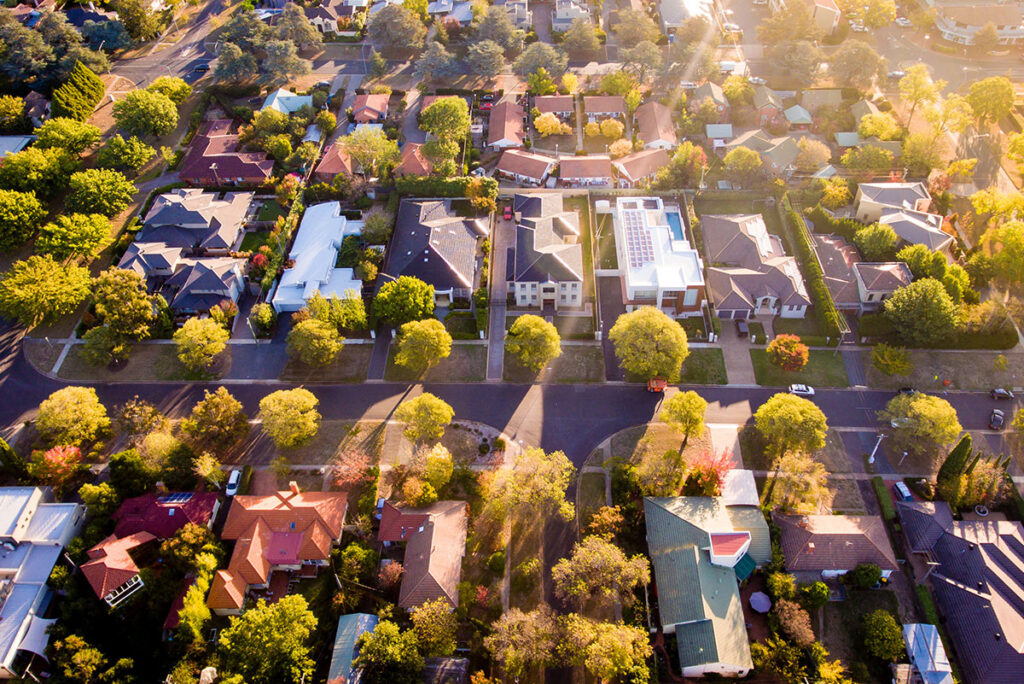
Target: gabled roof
[165, 514]
[924, 522]
[834, 542]
[413, 162]
[527, 164]
[216, 144]
[712, 90]
[227, 591]
[193, 218]
[798, 116]
[286, 101]
[900, 195]
[287, 511]
[924, 646]
[434, 244]
[917, 228]
[435, 539]
[335, 161]
[604, 104]
[739, 239]
[655, 123]
[885, 276]
[505, 123]
[765, 96]
[862, 108]
[643, 164]
[547, 247]
[370, 106]
[554, 103]
[591, 166]
[146, 257]
[201, 283]
[111, 565]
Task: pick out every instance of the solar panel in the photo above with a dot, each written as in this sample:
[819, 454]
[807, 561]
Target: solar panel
[177, 497]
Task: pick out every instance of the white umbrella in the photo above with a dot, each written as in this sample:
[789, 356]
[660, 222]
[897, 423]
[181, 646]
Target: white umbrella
[760, 602]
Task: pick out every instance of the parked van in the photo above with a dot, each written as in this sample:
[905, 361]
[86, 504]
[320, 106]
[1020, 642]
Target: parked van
[233, 479]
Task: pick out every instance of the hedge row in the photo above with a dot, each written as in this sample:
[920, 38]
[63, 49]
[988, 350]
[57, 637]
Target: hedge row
[430, 186]
[831, 324]
[79, 95]
[884, 498]
[825, 223]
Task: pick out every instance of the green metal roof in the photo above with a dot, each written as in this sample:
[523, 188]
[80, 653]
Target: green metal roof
[696, 644]
[745, 567]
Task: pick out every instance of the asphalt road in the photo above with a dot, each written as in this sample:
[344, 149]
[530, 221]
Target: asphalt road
[571, 418]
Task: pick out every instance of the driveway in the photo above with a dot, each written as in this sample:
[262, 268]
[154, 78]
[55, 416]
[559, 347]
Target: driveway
[411, 131]
[503, 240]
[610, 306]
[736, 351]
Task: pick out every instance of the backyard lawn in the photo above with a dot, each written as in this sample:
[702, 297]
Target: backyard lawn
[843, 634]
[253, 240]
[577, 363]
[270, 211]
[823, 369]
[581, 205]
[758, 205]
[467, 363]
[607, 257]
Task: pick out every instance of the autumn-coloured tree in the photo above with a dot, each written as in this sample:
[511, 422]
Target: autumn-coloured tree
[350, 468]
[606, 522]
[795, 622]
[55, 467]
[788, 353]
[390, 575]
[707, 473]
[597, 569]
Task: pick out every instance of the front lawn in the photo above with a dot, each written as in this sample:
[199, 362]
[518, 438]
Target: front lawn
[823, 369]
[633, 443]
[467, 363]
[705, 366]
[577, 363]
[802, 327]
[147, 362]
[575, 327]
[350, 366]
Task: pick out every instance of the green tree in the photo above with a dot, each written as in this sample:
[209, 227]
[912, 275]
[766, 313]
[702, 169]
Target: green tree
[743, 164]
[791, 423]
[372, 150]
[38, 290]
[314, 342]
[20, 216]
[923, 262]
[175, 88]
[855, 64]
[882, 635]
[494, 24]
[538, 55]
[799, 484]
[425, 417]
[378, 65]
[396, 25]
[777, 656]
[580, 39]
[541, 83]
[922, 423]
[815, 595]
[793, 22]
[536, 482]
[99, 191]
[684, 170]
[146, 112]
[293, 25]
[78, 661]
[438, 466]
[69, 134]
[608, 651]
[130, 474]
[246, 30]
[800, 60]
[867, 159]
[991, 98]
[520, 641]
[643, 60]
[435, 63]
[12, 114]
[138, 19]
[649, 344]
[101, 500]
[864, 576]
[1006, 246]
[44, 172]
[282, 63]
[882, 125]
[217, 420]
[921, 153]
[235, 65]
[986, 38]
[635, 26]
[403, 300]
[599, 570]
[684, 412]
[388, 655]
[917, 87]
[533, 341]
[290, 417]
[72, 416]
[73, 235]
[813, 155]
[872, 14]
[208, 468]
[788, 353]
[876, 242]
[123, 303]
[124, 155]
[435, 626]
[199, 342]
[422, 344]
[890, 360]
[270, 642]
[922, 313]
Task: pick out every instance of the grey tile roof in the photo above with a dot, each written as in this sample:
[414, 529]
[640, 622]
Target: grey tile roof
[923, 522]
[834, 542]
[547, 247]
[696, 643]
[435, 245]
[192, 218]
[201, 283]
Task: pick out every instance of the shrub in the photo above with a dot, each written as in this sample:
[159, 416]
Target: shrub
[830, 321]
[864, 576]
[885, 501]
[781, 585]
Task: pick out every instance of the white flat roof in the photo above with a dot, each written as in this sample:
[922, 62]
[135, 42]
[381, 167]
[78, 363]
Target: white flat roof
[12, 502]
[739, 489]
[15, 618]
[50, 522]
[655, 258]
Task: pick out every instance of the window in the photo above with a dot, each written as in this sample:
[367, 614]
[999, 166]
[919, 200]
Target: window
[533, 298]
[871, 297]
[690, 298]
[533, 286]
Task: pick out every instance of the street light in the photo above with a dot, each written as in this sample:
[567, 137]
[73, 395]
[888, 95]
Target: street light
[871, 458]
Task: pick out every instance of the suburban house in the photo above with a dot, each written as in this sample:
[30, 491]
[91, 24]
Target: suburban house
[657, 264]
[856, 285]
[918, 228]
[12, 144]
[959, 23]
[198, 285]
[196, 220]
[314, 255]
[714, 92]
[768, 105]
[334, 162]
[435, 542]
[594, 169]
[640, 168]
[927, 654]
[832, 545]
[875, 199]
[676, 13]
[325, 16]
[431, 242]
[562, 106]
[565, 11]
[753, 275]
[655, 125]
[505, 125]
[350, 628]
[862, 108]
[546, 264]
[701, 548]
[518, 11]
[798, 118]
[276, 535]
[37, 108]
[451, 12]
[33, 533]
[525, 167]
[601, 107]
[162, 515]
[370, 107]
[286, 102]
[976, 578]
[413, 162]
[111, 570]
[778, 154]
[215, 158]
[814, 99]
[825, 13]
[718, 135]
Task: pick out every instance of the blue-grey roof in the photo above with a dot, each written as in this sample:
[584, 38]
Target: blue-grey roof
[349, 628]
[432, 243]
[923, 522]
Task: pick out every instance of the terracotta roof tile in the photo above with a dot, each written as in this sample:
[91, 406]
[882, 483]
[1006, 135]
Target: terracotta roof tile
[834, 542]
[111, 565]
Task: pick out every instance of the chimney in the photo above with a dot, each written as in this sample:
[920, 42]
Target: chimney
[981, 585]
[294, 486]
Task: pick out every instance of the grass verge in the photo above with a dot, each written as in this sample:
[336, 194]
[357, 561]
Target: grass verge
[467, 363]
[350, 366]
[823, 369]
[704, 367]
[577, 363]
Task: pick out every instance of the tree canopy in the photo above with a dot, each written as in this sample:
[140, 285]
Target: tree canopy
[290, 417]
[791, 423]
[269, 643]
[39, 290]
[533, 341]
[649, 344]
[403, 300]
[425, 416]
[422, 344]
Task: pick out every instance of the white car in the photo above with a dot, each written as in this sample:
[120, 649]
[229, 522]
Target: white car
[858, 28]
[756, 80]
[760, 2]
[688, 85]
[232, 487]
[732, 28]
[903, 22]
[801, 390]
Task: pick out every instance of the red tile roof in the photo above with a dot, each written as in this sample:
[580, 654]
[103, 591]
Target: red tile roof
[215, 144]
[335, 161]
[413, 162]
[505, 123]
[368, 107]
[111, 566]
[834, 542]
[164, 515]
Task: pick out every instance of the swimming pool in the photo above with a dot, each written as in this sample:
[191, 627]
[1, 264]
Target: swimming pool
[675, 224]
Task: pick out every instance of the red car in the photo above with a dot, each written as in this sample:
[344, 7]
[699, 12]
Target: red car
[508, 212]
[486, 106]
